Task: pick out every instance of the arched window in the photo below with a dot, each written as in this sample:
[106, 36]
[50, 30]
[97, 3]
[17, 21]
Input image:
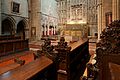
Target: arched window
[21, 29]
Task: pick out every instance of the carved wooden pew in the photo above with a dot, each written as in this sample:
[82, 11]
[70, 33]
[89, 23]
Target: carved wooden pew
[8, 67]
[47, 50]
[40, 69]
[73, 58]
[70, 59]
[9, 37]
[11, 46]
[108, 52]
[17, 63]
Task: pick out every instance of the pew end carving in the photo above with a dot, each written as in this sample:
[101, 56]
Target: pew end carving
[19, 61]
[47, 50]
[62, 50]
[12, 44]
[37, 54]
[108, 50]
[73, 58]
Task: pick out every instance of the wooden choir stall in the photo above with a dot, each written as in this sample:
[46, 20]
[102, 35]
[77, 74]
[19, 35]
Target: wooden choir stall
[108, 53]
[12, 44]
[70, 60]
[73, 58]
[39, 69]
[51, 61]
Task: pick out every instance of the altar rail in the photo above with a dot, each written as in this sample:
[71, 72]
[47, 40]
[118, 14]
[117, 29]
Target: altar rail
[75, 60]
[12, 46]
[39, 69]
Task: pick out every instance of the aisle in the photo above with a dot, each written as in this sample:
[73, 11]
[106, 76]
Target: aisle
[92, 48]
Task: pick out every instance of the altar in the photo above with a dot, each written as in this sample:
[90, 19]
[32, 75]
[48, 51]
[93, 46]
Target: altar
[74, 32]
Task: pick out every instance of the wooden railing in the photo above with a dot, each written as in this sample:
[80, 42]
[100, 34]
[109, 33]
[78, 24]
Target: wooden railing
[40, 69]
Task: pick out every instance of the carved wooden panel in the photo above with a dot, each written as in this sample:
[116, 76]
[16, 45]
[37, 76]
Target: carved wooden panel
[73, 58]
[108, 50]
[110, 38]
[12, 46]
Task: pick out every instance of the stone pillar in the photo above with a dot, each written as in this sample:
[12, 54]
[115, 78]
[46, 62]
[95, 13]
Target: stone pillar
[119, 9]
[35, 18]
[54, 30]
[0, 18]
[115, 10]
[99, 18]
[45, 30]
[48, 30]
[118, 12]
[29, 20]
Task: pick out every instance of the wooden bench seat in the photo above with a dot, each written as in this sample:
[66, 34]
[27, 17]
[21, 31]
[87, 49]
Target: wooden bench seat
[115, 71]
[41, 68]
[8, 67]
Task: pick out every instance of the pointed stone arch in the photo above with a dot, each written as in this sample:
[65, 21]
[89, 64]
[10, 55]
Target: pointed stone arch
[8, 26]
[22, 26]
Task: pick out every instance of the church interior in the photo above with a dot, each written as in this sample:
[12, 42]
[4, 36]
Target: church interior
[59, 39]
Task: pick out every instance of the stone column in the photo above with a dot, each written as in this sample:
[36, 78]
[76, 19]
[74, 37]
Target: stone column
[115, 10]
[54, 30]
[29, 20]
[48, 30]
[35, 18]
[99, 18]
[0, 18]
[118, 12]
[45, 30]
[119, 9]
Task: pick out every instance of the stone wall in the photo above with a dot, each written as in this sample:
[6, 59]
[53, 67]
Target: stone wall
[35, 20]
[106, 6]
[6, 12]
